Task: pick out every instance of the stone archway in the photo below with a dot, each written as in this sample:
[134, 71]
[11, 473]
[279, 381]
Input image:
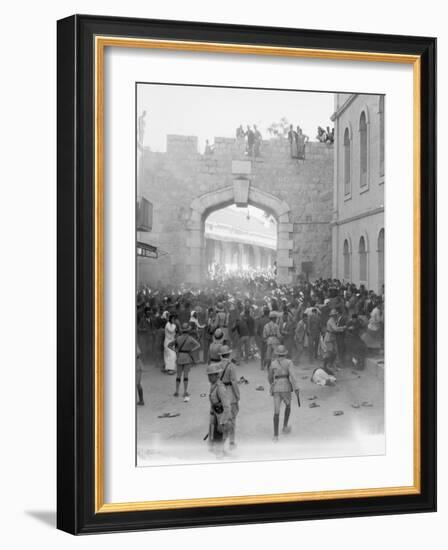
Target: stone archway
[241, 193]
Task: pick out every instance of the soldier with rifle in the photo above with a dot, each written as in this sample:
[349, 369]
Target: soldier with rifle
[220, 410]
[229, 379]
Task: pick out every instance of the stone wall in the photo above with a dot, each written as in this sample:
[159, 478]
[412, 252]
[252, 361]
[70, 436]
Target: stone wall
[185, 186]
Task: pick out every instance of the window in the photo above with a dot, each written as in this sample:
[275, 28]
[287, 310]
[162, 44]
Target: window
[347, 166]
[381, 113]
[346, 254]
[362, 260]
[380, 260]
[363, 149]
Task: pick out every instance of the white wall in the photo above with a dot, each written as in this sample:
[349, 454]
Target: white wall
[27, 300]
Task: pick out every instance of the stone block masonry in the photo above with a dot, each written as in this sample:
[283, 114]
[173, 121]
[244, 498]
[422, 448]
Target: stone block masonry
[185, 186]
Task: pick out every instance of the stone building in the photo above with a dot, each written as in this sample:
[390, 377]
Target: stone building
[185, 187]
[358, 216]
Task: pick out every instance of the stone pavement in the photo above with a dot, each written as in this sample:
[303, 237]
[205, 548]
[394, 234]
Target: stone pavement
[316, 432]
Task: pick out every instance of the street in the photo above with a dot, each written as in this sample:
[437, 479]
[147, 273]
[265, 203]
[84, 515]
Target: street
[317, 432]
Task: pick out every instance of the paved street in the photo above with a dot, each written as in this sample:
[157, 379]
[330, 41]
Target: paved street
[316, 432]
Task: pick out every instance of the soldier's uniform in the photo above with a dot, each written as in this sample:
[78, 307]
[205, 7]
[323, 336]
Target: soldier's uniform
[229, 379]
[138, 376]
[215, 346]
[271, 335]
[220, 410]
[283, 383]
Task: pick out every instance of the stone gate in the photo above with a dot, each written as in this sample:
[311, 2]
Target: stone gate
[185, 186]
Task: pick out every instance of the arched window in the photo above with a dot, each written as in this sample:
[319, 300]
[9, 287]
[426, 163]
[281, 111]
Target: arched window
[380, 260]
[363, 149]
[346, 254]
[362, 260]
[381, 113]
[347, 165]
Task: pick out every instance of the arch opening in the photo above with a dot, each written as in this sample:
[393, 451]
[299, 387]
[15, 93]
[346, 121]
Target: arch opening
[247, 198]
[237, 239]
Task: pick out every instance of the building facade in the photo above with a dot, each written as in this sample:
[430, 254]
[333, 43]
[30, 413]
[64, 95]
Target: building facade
[358, 201]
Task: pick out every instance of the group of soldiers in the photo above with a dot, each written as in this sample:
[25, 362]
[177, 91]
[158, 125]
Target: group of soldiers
[225, 393]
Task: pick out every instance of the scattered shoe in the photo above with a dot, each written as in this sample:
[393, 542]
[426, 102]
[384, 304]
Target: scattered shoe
[203, 395]
[338, 413]
[367, 404]
[313, 405]
[312, 398]
[259, 388]
[168, 415]
[356, 405]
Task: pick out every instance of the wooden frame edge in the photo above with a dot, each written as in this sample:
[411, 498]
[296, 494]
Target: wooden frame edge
[100, 43]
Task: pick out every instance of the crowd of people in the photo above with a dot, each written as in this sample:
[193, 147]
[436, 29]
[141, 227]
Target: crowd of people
[253, 139]
[325, 136]
[297, 140]
[328, 319]
[237, 317]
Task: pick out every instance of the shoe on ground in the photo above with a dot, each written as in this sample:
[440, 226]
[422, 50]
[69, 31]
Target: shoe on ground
[186, 394]
[286, 430]
[232, 445]
[176, 394]
[275, 439]
[140, 403]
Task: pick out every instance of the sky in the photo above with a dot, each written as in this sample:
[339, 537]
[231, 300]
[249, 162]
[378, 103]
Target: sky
[209, 112]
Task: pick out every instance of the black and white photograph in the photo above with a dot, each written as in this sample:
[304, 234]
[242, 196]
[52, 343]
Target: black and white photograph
[260, 295]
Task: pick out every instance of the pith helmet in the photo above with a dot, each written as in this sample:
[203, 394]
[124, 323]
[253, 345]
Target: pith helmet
[273, 315]
[213, 369]
[219, 333]
[281, 350]
[334, 312]
[185, 327]
[225, 350]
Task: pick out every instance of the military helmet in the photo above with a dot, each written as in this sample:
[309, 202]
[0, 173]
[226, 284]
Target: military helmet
[214, 368]
[281, 350]
[225, 350]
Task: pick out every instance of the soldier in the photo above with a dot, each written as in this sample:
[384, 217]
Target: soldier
[138, 376]
[261, 323]
[330, 341]
[215, 346]
[271, 335]
[283, 383]
[220, 410]
[229, 379]
[184, 345]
